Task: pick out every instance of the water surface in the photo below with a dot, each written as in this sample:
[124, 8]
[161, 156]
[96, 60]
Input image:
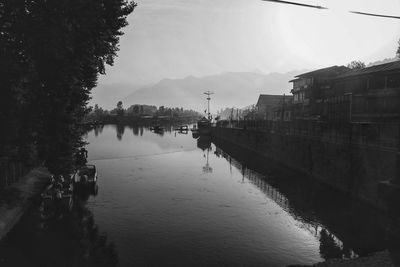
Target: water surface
[168, 199]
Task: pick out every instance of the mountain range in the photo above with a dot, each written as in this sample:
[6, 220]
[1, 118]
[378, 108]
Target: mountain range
[231, 89]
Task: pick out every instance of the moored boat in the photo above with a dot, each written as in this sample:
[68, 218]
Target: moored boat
[59, 193]
[204, 126]
[85, 176]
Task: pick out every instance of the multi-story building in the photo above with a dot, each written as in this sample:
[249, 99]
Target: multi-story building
[370, 94]
[341, 94]
[309, 91]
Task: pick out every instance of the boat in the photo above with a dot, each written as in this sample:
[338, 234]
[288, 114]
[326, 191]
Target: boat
[85, 176]
[204, 126]
[195, 134]
[182, 128]
[58, 194]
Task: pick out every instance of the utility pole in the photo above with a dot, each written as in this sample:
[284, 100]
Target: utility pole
[208, 93]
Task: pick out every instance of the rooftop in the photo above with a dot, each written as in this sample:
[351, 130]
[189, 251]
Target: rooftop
[271, 100]
[391, 66]
[329, 71]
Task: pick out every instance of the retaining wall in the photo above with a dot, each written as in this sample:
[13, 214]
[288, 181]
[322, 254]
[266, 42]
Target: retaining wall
[351, 168]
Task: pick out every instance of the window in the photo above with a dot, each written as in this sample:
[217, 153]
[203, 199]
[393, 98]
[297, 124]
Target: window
[393, 81]
[377, 82]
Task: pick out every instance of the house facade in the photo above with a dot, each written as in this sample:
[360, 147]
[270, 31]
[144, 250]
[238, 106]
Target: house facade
[371, 94]
[274, 107]
[341, 94]
[309, 91]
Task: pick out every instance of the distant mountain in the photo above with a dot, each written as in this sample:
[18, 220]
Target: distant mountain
[107, 95]
[238, 89]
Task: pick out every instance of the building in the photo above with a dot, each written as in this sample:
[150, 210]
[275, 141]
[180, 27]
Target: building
[309, 91]
[340, 94]
[371, 94]
[274, 107]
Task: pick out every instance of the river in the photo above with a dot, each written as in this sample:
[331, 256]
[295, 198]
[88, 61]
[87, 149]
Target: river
[167, 199]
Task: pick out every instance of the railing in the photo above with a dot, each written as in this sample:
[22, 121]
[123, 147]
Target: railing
[11, 172]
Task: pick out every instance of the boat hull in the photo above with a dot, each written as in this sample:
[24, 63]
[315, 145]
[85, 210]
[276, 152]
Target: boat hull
[204, 127]
[86, 176]
[204, 130]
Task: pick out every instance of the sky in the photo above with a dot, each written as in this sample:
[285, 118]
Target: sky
[178, 38]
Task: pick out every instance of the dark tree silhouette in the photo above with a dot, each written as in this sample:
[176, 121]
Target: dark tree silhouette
[51, 53]
[356, 65]
[398, 50]
[120, 108]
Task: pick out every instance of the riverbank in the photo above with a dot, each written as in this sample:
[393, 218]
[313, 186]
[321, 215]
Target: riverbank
[266, 148]
[17, 198]
[379, 259]
[358, 170]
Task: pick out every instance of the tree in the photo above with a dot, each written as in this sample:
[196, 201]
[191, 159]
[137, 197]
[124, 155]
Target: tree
[120, 108]
[398, 49]
[161, 110]
[136, 109]
[356, 65]
[119, 105]
[51, 53]
[98, 111]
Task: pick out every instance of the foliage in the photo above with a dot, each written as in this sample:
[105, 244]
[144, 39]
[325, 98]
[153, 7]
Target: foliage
[356, 65]
[137, 110]
[120, 105]
[51, 53]
[141, 110]
[398, 50]
[120, 109]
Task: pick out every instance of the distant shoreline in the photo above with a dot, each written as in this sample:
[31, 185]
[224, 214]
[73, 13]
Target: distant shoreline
[128, 120]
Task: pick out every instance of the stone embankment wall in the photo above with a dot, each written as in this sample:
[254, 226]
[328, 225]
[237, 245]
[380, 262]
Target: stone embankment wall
[353, 168]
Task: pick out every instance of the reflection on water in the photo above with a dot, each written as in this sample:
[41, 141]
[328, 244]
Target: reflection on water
[204, 143]
[65, 239]
[181, 131]
[344, 227]
[173, 200]
[120, 131]
[98, 129]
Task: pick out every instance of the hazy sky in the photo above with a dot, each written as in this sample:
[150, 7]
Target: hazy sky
[177, 38]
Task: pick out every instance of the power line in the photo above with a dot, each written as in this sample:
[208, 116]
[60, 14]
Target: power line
[374, 15]
[321, 7]
[296, 4]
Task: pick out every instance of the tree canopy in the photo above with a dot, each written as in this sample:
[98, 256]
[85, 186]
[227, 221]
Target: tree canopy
[51, 53]
[356, 65]
[398, 50]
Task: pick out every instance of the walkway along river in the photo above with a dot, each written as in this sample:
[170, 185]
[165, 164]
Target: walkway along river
[168, 199]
